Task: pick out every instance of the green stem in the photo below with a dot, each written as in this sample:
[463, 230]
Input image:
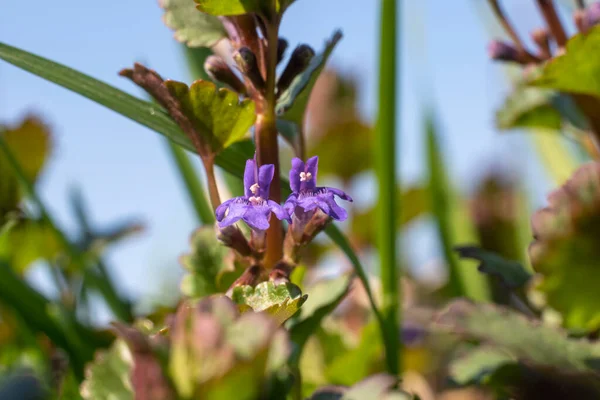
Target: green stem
[385, 149]
[213, 189]
[191, 181]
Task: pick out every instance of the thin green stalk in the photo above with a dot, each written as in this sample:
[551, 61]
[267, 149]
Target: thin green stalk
[385, 154]
[191, 181]
[107, 289]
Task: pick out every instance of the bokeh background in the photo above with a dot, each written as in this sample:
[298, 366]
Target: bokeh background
[124, 171]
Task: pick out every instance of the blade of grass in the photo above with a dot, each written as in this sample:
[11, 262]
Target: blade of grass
[121, 308]
[463, 280]
[385, 154]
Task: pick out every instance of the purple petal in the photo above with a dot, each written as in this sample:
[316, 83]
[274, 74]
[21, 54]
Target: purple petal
[222, 209]
[279, 211]
[265, 176]
[312, 167]
[336, 212]
[249, 177]
[257, 217]
[297, 168]
[310, 203]
[290, 204]
[237, 210]
[592, 14]
[339, 193]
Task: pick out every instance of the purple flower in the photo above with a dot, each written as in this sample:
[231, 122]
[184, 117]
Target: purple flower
[254, 208]
[306, 197]
[502, 51]
[592, 15]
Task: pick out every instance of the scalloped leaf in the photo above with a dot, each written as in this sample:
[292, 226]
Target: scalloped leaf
[192, 27]
[292, 103]
[576, 71]
[511, 273]
[107, 377]
[281, 301]
[525, 340]
[208, 263]
[565, 251]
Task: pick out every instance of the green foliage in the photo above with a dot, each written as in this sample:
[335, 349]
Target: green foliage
[565, 251]
[477, 365]
[240, 7]
[279, 300]
[192, 27]
[108, 377]
[210, 265]
[511, 273]
[529, 108]
[292, 103]
[575, 71]
[218, 354]
[377, 387]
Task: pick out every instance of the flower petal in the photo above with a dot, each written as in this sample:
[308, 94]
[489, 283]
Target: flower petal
[236, 211]
[290, 203]
[249, 177]
[265, 176]
[257, 217]
[279, 211]
[339, 193]
[310, 203]
[335, 211]
[312, 168]
[222, 209]
[297, 168]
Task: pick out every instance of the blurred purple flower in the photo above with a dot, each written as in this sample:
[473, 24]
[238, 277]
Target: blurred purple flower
[502, 51]
[306, 197]
[592, 15]
[254, 208]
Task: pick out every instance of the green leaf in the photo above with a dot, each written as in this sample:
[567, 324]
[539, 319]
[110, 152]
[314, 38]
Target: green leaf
[292, 103]
[477, 365]
[325, 296]
[565, 250]
[281, 301]
[376, 387]
[529, 108]
[230, 7]
[576, 71]
[192, 27]
[30, 143]
[207, 264]
[107, 377]
[511, 273]
[143, 112]
[213, 118]
[525, 340]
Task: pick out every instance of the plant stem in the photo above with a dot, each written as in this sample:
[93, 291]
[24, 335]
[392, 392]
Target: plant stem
[385, 150]
[213, 190]
[554, 25]
[267, 147]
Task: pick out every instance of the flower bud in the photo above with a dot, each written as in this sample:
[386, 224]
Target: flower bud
[502, 51]
[299, 61]
[248, 64]
[541, 37]
[219, 71]
[282, 46]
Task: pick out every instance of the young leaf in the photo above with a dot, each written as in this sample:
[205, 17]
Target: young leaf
[281, 301]
[291, 105]
[523, 339]
[575, 71]
[207, 263]
[192, 27]
[511, 273]
[213, 118]
[231, 7]
[108, 376]
[565, 250]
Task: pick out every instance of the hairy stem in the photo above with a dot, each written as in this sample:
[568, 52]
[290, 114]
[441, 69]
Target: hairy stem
[213, 190]
[267, 148]
[554, 25]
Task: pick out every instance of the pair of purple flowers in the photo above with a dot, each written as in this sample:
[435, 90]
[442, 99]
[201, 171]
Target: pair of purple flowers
[255, 208]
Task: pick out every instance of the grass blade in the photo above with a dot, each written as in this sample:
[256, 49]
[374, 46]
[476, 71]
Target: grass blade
[385, 154]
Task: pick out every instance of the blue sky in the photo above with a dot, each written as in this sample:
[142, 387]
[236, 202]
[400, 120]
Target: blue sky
[123, 168]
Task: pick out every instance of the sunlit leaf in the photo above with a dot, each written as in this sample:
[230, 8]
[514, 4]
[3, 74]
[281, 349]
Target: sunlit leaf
[230, 7]
[511, 273]
[291, 105]
[565, 251]
[107, 377]
[31, 144]
[28, 241]
[281, 301]
[575, 71]
[192, 27]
